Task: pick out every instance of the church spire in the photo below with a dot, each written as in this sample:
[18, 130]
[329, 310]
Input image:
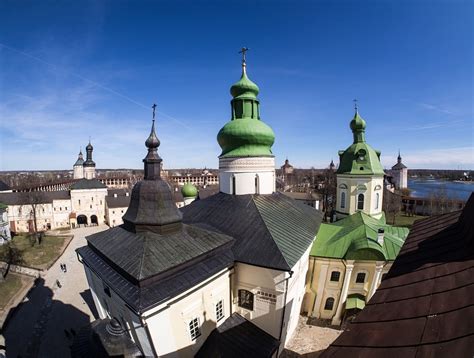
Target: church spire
[152, 161]
[358, 125]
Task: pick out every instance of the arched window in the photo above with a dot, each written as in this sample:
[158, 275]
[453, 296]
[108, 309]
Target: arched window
[233, 185]
[360, 202]
[343, 200]
[377, 199]
[246, 299]
[328, 306]
[257, 185]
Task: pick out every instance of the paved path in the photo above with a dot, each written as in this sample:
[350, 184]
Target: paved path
[37, 329]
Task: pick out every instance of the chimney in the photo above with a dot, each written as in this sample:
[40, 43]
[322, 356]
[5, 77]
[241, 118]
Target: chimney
[380, 235]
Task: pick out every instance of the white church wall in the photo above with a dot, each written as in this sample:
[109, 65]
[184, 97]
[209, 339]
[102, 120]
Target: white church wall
[369, 186]
[168, 323]
[254, 175]
[89, 202]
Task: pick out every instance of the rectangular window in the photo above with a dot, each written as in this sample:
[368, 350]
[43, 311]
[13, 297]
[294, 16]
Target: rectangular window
[360, 277]
[335, 276]
[194, 329]
[220, 310]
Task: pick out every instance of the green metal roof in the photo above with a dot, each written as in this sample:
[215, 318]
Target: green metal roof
[355, 238]
[245, 135]
[354, 301]
[359, 158]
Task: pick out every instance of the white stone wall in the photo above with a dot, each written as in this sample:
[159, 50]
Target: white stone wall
[252, 175]
[370, 186]
[61, 211]
[78, 172]
[89, 202]
[21, 215]
[113, 216]
[89, 172]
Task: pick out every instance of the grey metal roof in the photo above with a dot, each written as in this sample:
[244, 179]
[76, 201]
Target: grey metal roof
[121, 201]
[269, 230]
[39, 197]
[88, 184]
[398, 166]
[143, 297]
[237, 337]
[145, 254]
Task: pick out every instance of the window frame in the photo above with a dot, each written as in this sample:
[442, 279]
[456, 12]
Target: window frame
[194, 328]
[249, 300]
[359, 201]
[329, 302]
[219, 310]
[357, 277]
[334, 272]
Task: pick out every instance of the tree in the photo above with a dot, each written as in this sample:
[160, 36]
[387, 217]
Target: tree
[327, 189]
[11, 255]
[33, 203]
[391, 204]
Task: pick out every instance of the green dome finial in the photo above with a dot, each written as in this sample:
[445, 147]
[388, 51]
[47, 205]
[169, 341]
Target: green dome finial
[245, 135]
[358, 125]
[189, 191]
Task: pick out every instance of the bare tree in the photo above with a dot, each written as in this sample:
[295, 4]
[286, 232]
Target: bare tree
[34, 201]
[11, 255]
[391, 204]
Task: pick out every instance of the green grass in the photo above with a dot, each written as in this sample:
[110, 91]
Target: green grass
[37, 256]
[403, 220]
[9, 288]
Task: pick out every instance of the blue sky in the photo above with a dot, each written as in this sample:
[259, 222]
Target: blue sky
[74, 69]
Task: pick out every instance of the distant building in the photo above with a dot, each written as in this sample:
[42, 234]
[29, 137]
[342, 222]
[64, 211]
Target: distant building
[78, 167]
[287, 168]
[399, 174]
[4, 224]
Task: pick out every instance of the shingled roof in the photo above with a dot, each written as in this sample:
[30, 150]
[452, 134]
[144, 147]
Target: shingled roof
[273, 230]
[88, 184]
[424, 307]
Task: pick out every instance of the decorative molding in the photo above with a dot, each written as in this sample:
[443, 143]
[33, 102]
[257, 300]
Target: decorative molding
[247, 164]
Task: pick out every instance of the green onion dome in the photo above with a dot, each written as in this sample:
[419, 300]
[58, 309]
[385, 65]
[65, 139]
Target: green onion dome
[357, 123]
[359, 158]
[189, 191]
[245, 135]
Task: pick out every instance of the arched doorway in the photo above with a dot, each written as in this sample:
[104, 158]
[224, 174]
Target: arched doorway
[81, 220]
[94, 220]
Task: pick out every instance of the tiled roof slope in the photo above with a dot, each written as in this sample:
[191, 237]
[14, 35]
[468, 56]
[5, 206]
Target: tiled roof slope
[272, 231]
[88, 184]
[358, 233]
[237, 337]
[39, 197]
[425, 306]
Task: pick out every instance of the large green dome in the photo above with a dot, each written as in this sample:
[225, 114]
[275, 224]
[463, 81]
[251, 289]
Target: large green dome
[245, 135]
[189, 191]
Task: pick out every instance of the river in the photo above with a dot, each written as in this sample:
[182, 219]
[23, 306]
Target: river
[454, 190]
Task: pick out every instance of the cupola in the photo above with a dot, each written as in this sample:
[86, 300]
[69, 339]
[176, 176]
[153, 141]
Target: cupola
[246, 135]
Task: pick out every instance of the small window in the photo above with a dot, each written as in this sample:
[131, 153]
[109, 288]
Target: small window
[246, 299]
[91, 206]
[360, 202]
[360, 277]
[194, 329]
[92, 199]
[79, 202]
[65, 208]
[101, 202]
[377, 199]
[113, 212]
[257, 190]
[328, 306]
[233, 185]
[220, 310]
[335, 275]
[343, 200]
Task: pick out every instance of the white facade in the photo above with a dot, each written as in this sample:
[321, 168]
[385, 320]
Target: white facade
[89, 172]
[359, 193]
[400, 177]
[247, 175]
[113, 216]
[78, 172]
[165, 329]
[89, 202]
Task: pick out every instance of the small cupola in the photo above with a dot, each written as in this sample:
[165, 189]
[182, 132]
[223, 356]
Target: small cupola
[152, 207]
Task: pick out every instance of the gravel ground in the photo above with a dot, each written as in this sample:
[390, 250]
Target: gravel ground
[309, 340]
